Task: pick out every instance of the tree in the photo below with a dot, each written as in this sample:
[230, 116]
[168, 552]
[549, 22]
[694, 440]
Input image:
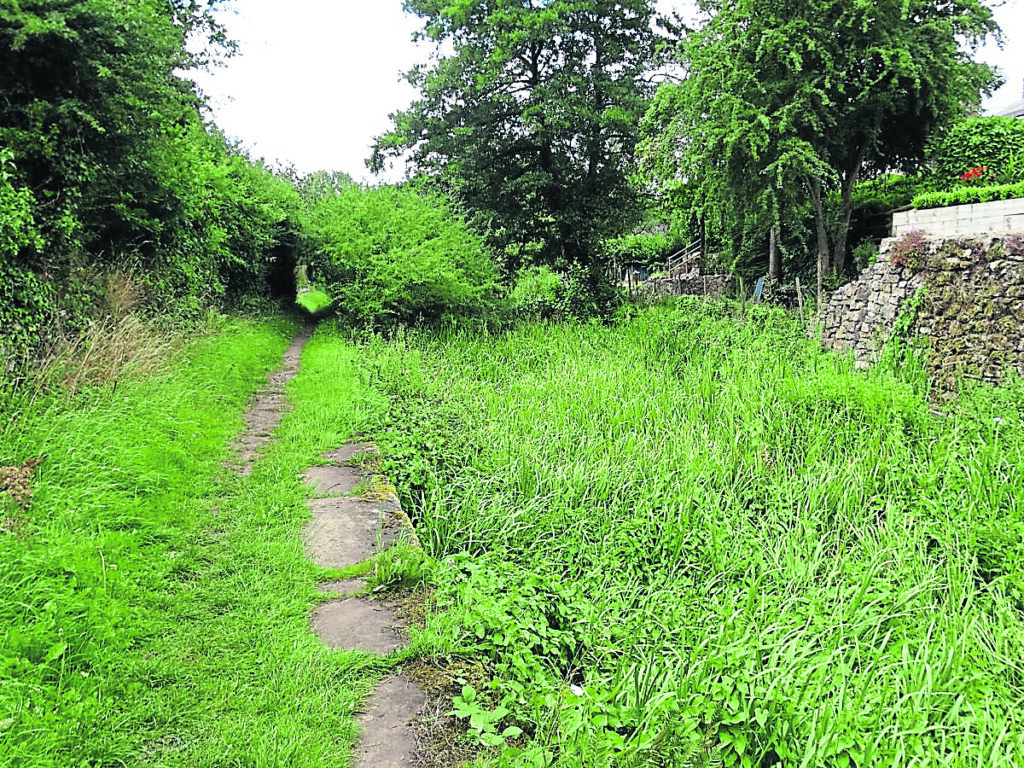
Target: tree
[531, 118]
[107, 167]
[92, 97]
[784, 95]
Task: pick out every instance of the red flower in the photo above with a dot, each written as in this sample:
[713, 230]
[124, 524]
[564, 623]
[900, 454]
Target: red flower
[973, 173]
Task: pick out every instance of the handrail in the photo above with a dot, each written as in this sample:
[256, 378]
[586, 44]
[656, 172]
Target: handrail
[684, 256]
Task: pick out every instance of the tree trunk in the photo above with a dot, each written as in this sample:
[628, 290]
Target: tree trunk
[846, 211]
[774, 258]
[819, 220]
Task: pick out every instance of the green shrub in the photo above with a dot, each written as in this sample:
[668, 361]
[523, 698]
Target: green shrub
[25, 297]
[995, 144]
[588, 293]
[398, 255]
[967, 195]
[887, 192]
[640, 247]
[314, 301]
[536, 292]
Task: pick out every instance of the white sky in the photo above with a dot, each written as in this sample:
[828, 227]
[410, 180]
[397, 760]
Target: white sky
[315, 80]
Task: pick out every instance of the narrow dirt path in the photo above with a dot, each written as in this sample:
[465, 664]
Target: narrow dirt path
[267, 408]
[346, 529]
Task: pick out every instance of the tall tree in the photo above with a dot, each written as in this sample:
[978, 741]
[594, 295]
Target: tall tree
[794, 94]
[92, 95]
[529, 114]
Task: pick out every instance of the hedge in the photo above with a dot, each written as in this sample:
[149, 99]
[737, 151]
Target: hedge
[968, 195]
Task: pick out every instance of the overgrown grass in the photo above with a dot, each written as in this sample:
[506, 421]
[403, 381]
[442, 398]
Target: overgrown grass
[154, 606]
[634, 527]
[690, 510]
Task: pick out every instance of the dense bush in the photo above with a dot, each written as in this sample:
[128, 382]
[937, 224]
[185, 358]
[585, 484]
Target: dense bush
[536, 293]
[401, 255]
[967, 195]
[109, 169]
[19, 316]
[993, 144]
[641, 248]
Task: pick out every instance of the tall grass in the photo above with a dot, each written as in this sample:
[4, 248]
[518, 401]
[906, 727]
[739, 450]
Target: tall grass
[689, 510]
[154, 606]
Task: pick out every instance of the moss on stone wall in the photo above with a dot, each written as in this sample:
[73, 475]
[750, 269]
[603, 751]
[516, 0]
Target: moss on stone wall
[971, 314]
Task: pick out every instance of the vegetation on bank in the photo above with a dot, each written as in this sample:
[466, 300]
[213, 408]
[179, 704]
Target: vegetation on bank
[688, 529]
[967, 195]
[639, 524]
[154, 606]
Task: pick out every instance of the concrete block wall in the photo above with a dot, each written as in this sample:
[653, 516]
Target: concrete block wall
[954, 220]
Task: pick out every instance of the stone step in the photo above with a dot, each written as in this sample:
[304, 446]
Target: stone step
[347, 530]
[267, 408]
[388, 737]
[341, 587]
[348, 452]
[357, 625]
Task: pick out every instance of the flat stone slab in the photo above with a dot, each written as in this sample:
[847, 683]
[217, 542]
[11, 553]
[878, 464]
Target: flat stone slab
[343, 531]
[349, 452]
[333, 481]
[356, 625]
[388, 737]
[347, 587]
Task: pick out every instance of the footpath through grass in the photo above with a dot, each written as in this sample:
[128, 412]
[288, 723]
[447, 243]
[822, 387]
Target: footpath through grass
[154, 606]
[638, 525]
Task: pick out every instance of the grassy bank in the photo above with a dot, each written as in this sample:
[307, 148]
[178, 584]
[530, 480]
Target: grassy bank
[640, 525]
[154, 606]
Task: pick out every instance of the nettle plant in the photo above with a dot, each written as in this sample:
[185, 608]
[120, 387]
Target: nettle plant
[911, 250]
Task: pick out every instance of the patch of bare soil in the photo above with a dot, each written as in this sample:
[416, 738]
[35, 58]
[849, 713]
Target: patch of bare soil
[438, 734]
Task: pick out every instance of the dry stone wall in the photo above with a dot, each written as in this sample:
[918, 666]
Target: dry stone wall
[960, 299]
[695, 285]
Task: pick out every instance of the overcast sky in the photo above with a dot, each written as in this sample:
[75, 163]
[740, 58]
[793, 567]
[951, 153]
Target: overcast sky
[315, 80]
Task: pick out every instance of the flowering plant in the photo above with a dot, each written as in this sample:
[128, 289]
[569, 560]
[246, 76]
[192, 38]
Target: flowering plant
[974, 173]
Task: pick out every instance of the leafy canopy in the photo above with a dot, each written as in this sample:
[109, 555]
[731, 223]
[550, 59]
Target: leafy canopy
[109, 167]
[789, 95]
[528, 115]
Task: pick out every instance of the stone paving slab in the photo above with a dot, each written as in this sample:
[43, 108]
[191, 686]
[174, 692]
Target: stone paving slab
[267, 408]
[356, 625]
[388, 737]
[346, 587]
[348, 452]
[333, 480]
[343, 531]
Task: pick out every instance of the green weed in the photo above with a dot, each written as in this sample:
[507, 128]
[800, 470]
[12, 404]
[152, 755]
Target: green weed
[689, 509]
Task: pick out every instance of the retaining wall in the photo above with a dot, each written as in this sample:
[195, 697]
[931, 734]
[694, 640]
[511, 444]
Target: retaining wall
[968, 318]
[700, 285]
[954, 220]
